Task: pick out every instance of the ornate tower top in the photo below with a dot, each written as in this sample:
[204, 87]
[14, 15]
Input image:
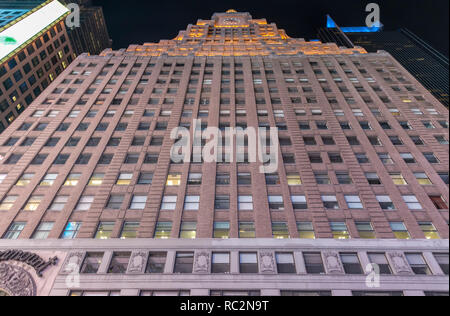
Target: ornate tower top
[235, 33]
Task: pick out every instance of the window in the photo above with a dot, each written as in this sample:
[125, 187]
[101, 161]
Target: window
[244, 179]
[382, 262]
[365, 230]
[429, 230]
[124, 179]
[72, 179]
[444, 176]
[418, 264]
[344, 178]
[115, 202]
[248, 262]
[339, 230]
[223, 179]
[184, 262]
[314, 263]
[138, 202]
[192, 203]
[222, 202]
[104, 230]
[351, 263]
[221, 230]
[362, 158]
[188, 230]
[195, 179]
[315, 158]
[145, 178]
[25, 179]
[385, 202]
[285, 263]
[247, 230]
[129, 230]
[306, 230]
[385, 158]
[280, 230]
[92, 262]
[220, 263]
[442, 259]
[96, 179]
[354, 202]
[276, 202]
[293, 179]
[173, 179]
[163, 230]
[439, 202]
[431, 158]
[59, 203]
[322, 178]
[119, 263]
[412, 202]
[8, 202]
[33, 203]
[14, 230]
[156, 262]
[3, 177]
[400, 230]
[398, 179]
[408, 158]
[299, 202]
[43, 230]
[245, 203]
[422, 178]
[71, 231]
[330, 202]
[169, 203]
[84, 204]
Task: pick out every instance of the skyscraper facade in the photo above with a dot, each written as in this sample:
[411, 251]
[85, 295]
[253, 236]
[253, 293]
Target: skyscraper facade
[90, 187]
[425, 63]
[34, 50]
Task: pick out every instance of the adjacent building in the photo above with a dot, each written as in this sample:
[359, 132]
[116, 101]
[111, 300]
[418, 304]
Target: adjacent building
[89, 186]
[92, 34]
[34, 50]
[425, 63]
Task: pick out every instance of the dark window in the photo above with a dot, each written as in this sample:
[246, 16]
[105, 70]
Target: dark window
[314, 263]
[184, 262]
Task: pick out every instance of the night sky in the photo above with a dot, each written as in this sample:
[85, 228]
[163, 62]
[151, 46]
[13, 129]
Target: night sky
[139, 21]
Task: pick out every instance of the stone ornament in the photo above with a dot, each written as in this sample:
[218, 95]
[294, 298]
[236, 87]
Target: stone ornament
[202, 262]
[16, 281]
[267, 262]
[333, 264]
[399, 263]
[73, 263]
[137, 262]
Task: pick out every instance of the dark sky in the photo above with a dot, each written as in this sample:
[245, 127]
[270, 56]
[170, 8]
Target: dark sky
[139, 21]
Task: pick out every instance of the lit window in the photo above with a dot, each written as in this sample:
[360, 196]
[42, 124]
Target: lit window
[365, 230]
[173, 179]
[104, 230]
[400, 230]
[306, 230]
[71, 230]
[33, 203]
[339, 230]
[49, 179]
[280, 230]
[429, 230]
[25, 179]
[96, 179]
[124, 179]
[422, 178]
[222, 230]
[188, 230]
[8, 202]
[294, 179]
[398, 179]
[129, 230]
[72, 180]
[247, 230]
[163, 230]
